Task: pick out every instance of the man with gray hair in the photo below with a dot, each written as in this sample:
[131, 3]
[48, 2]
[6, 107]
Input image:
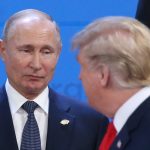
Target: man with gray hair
[114, 54]
[32, 115]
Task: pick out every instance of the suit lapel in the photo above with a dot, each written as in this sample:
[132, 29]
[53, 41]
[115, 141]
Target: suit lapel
[7, 134]
[60, 124]
[102, 131]
[121, 140]
[131, 125]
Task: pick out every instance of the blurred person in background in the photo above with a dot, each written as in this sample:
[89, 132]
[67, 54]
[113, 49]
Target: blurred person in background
[143, 12]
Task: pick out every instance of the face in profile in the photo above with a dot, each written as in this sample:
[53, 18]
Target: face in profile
[30, 54]
[89, 80]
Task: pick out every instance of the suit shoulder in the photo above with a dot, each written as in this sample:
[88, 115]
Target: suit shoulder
[76, 106]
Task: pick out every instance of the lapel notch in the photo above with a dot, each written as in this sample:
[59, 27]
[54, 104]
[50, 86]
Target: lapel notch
[60, 124]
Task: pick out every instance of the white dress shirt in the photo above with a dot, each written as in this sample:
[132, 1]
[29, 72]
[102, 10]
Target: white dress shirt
[19, 116]
[126, 110]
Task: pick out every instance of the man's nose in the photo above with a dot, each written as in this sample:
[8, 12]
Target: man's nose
[36, 62]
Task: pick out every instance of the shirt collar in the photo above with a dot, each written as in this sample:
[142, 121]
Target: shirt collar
[126, 110]
[16, 100]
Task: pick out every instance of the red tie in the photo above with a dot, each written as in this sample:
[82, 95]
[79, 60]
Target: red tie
[108, 138]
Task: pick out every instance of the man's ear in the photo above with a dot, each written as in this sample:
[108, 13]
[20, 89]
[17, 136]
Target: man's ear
[2, 49]
[104, 75]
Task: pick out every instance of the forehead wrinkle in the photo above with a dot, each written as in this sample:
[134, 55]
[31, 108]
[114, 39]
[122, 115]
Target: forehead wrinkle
[28, 27]
[29, 22]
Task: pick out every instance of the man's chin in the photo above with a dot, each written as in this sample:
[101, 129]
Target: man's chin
[35, 89]
[32, 93]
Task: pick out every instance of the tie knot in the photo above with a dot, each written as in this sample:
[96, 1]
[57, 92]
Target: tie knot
[29, 106]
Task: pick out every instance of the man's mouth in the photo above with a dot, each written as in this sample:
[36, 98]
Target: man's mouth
[35, 77]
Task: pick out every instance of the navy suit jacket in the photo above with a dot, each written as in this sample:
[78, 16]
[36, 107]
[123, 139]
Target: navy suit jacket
[80, 134]
[135, 135]
[143, 12]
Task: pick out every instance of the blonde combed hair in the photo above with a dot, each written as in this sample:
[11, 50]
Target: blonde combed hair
[123, 43]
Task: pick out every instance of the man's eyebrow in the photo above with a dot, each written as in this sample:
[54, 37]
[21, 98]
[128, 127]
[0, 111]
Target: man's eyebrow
[28, 46]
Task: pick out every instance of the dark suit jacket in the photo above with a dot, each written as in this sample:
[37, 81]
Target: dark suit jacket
[135, 135]
[80, 134]
[143, 12]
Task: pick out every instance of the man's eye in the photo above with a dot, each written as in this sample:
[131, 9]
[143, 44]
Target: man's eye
[25, 50]
[47, 51]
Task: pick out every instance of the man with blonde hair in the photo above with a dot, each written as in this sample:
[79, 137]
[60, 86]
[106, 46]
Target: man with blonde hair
[114, 54]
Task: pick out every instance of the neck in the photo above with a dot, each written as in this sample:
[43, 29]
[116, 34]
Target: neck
[115, 99]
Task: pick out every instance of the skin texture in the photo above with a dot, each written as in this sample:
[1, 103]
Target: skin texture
[30, 54]
[89, 80]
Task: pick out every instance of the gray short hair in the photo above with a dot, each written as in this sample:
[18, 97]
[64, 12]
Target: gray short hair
[122, 43]
[25, 13]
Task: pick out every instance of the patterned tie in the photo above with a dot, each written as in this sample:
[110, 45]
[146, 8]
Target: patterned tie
[109, 137]
[30, 136]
